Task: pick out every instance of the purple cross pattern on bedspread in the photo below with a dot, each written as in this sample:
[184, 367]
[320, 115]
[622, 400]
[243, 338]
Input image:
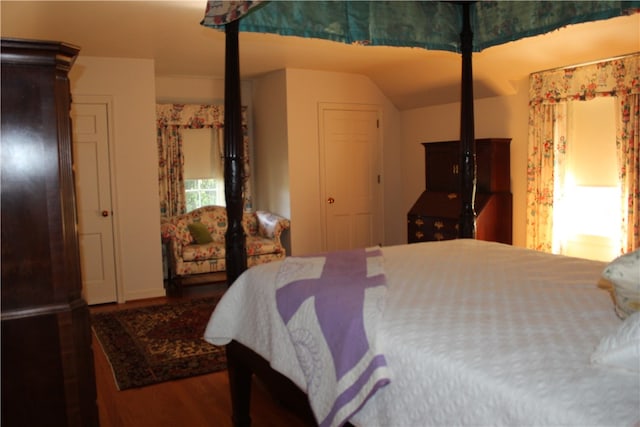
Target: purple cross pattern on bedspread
[339, 301]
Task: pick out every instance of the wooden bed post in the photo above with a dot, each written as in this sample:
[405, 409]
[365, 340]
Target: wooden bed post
[235, 239]
[240, 377]
[467, 137]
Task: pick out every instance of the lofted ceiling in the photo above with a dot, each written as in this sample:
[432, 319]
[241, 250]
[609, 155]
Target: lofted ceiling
[170, 33]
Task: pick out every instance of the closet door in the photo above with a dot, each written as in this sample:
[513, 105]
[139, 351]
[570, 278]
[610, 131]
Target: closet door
[93, 199]
[350, 176]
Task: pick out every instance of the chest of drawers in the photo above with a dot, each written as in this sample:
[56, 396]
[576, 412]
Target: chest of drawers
[436, 213]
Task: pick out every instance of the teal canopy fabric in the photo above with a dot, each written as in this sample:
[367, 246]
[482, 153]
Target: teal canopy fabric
[433, 25]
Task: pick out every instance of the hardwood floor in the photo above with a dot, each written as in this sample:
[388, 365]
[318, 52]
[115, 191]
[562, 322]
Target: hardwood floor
[193, 402]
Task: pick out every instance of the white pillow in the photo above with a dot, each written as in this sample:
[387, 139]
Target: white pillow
[624, 273]
[621, 349]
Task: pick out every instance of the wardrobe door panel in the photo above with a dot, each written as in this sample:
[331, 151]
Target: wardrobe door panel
[48, 376]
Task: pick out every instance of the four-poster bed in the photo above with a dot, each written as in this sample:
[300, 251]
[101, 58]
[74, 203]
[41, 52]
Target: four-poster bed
[243, 362]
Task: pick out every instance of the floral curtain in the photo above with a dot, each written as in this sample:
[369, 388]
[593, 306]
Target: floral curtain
[627, 141]
[545, 172]
[170, 171]
[619, 78]
[170, 119]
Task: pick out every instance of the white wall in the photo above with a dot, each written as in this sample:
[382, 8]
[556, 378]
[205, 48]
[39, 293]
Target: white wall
[271, 144]
[305, 89]
[195, 90]
[271, 150]
[500, 117]
[130, 83]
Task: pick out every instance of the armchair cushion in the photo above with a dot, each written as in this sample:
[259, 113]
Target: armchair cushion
[210, 250]
[269, 224]
[200, 233]
[260, 246]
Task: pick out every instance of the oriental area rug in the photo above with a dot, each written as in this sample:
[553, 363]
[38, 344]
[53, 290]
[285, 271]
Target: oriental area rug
[158, 343]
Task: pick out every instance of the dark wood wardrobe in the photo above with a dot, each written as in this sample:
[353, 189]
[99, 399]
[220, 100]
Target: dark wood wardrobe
[48, 375]
[436, 213]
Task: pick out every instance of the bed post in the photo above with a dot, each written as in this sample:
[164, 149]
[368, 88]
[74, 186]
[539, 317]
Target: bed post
[235, 244]
[467, 226]
[235, 239]
[240, 385]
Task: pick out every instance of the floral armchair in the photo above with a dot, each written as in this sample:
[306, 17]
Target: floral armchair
[196, 240]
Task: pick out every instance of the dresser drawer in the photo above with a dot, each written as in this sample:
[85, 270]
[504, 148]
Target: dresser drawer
[428, 228]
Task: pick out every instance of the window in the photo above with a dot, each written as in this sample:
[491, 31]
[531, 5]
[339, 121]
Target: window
[203, 180]
[202, 192]
[587, 222]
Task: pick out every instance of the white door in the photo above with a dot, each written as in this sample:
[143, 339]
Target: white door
[93, 192]
[351, 176]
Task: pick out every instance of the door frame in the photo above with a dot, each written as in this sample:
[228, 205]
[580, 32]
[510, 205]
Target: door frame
[108, 102]
[379, 204]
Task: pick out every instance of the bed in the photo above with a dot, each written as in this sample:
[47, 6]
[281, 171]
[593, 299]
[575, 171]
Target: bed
[493, 335]
[472, 333]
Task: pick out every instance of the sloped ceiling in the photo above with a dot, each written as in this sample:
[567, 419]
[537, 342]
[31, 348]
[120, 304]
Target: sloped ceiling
[169, 32]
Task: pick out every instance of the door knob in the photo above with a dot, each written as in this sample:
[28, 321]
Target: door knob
[331, 200]
[105, 213]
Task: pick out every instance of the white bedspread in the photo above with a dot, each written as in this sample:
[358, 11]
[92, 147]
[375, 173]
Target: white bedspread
[332, 305]
[487, 334]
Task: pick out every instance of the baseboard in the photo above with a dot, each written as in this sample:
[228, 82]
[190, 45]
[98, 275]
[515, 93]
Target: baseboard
[144, 294]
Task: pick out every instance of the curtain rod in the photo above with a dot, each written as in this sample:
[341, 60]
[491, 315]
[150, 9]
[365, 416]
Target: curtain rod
[584, 64]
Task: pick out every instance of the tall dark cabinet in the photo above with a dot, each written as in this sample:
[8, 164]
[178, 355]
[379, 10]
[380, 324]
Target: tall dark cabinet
[436, 213]
[48, 375]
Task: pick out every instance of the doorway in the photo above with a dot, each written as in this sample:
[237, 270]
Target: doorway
[350, 182]
[93, 179]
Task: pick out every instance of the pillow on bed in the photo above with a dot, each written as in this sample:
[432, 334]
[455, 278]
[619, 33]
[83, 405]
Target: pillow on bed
[200, 233]
[621, 349]
[624, 273]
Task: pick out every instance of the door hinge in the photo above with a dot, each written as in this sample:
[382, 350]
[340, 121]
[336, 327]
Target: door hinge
[378, 179]
[377, 123]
